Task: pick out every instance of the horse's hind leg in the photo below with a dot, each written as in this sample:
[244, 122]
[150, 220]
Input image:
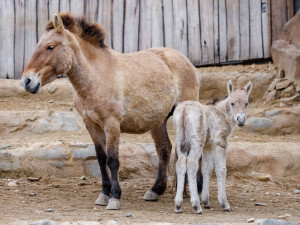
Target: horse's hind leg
[98, 137]
[207, 167]
[163, 149]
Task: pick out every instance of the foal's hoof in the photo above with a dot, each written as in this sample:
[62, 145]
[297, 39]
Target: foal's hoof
[113, 204]
[102, 199]
[227, 209]
[150, 196]
[178, 208]
[198, 209]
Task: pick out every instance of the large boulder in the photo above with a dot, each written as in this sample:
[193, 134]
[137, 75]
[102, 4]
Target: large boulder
[286, 51]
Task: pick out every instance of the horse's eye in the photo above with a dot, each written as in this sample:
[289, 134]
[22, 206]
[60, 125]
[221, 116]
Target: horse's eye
[232, 103]
[50, 47]
[246, 104]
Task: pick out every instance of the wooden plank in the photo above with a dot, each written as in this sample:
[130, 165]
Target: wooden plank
[207, 31]
[106, 20]
[131, 28]
[266, 25]
[53, 8]
[157, 36]
[233, 30]
[30, 29]
[118, 23]
[278, 9]
[64, 6]
[244, 30]
[42, 19]
[216, 32]
[77, 7]
[194, 47]
[256, 44]
[145, 25]
[7, 33]
[223, 30]
[19, 37]
[290, 9]
[168, 23]
[180, 26]
[92, 10]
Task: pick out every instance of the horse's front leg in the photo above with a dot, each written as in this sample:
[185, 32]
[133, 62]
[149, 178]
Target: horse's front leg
[112, 133]
[98, 137]
[163, 149]
[221, 170]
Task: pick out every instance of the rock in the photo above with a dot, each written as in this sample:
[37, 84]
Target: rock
[12, 184]
[33, 178]
[70, 109]
[6, 146]
[284, 216]
[262, 176]
[297, 191]
[51, 88]
[250, 220]
[256, 124]
[260, 204]
[295, 97]
[32, 194]
[273, 222]
[271, 96]
[273, 113]
[283, 84]
[149, 147]
[44, 222]
[273, 85]
[288, 92]
[112, 222]
[83, 178]
[50, 210]
[128, 214]
[51, 101]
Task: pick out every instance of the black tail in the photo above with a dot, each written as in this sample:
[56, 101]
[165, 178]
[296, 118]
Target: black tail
[200, 177]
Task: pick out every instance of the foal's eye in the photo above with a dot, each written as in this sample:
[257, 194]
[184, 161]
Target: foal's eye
[246, 104]
[232, 103]
[50, 47]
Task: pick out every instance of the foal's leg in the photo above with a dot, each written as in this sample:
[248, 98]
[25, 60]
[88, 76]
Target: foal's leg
[220, 164]
[207, 167]
[163, 149]
[98, 137]
[112, 133]
[180, 172]
[192, 169]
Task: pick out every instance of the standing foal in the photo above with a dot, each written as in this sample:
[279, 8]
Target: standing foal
[206, 127]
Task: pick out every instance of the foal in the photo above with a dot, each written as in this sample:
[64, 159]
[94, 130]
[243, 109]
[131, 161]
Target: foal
[206, 127]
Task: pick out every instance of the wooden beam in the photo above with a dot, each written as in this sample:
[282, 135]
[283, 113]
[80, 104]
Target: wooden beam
[157, 37]
[278, 9]
[145, 25]
[244, 30]
[117, 26]
[256, 44]
[168, 23]
[223, 30]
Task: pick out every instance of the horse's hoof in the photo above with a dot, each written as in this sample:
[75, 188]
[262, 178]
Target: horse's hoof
[113, 204]
[102, 199]
[178, 208]
[150, 196]
[227, 210]
[198, 209]
[206, 206]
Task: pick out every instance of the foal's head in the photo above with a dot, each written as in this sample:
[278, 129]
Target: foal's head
[238, 100]
[58, 48]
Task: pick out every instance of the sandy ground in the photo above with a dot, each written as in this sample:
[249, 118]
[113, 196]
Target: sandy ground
[72, 198]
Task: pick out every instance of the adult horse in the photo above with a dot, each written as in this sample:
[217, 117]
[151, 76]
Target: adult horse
[114, 92]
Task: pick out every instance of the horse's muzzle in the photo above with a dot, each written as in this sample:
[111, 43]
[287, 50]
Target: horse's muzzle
[31, 83]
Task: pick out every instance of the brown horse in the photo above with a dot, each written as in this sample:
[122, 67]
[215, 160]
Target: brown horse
[114, 92]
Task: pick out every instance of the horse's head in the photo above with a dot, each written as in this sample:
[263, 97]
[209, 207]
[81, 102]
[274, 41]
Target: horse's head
[238, 100]
[52, 57]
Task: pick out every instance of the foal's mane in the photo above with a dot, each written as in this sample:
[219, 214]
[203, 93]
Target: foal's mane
[91, 32]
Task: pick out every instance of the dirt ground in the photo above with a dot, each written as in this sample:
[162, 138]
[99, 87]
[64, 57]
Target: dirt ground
[72, 199]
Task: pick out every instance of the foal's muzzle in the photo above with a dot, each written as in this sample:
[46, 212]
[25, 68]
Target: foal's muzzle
[32, 83]
[240, 120]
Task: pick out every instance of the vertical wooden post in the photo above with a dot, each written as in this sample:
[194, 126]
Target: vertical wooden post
[278, 9]
[266, 25]
[106, 20]
[64, 6]
[244, 30]
[194, 47]
[216, 32]
[222, 30]
[145, 25]
[157, 36]
[180, 26]
[77, 7]
[53, 8]
[7, 32]
[168, 23]
[118, 23]
[92, 10]
[256, 44]
[131, 29]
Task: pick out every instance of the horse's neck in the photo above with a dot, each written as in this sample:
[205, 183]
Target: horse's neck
[224, 108]
[82, 73]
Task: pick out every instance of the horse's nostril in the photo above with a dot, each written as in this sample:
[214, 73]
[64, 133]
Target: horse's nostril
[27, 81]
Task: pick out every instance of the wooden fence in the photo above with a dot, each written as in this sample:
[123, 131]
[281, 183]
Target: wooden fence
[206, 31]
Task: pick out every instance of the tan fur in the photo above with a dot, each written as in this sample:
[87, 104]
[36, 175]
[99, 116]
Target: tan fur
[206, 127]
[114, 92]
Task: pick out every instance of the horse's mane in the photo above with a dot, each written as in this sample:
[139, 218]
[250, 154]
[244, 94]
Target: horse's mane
[91, 32]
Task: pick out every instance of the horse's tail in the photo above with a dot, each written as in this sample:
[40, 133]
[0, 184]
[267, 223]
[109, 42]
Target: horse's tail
[182, 136]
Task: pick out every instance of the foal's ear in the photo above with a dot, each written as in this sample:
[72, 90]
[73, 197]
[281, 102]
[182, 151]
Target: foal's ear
[248, 87]
[58, 23]
[229, 87]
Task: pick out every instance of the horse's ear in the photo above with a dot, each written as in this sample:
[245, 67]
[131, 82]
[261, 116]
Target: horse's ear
[229, 87]
[58, 23]
[248, 87]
